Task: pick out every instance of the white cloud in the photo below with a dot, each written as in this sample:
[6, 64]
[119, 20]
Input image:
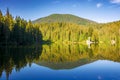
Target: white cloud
[115, 1]
[98, 5]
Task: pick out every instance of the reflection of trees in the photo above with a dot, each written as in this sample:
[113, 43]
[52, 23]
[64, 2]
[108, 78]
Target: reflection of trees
[109, 52]
[60, 56]
[65, 54]
[57, 56]
[17, 57]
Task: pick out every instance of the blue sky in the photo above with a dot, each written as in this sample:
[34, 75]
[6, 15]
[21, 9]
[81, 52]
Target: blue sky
[97, 10]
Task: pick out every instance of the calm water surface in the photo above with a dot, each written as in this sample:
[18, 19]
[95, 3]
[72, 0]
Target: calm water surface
[60, 62]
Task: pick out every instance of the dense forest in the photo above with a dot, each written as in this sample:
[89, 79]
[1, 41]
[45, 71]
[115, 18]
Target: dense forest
[18, 31]
[68, 29]
[63, 28]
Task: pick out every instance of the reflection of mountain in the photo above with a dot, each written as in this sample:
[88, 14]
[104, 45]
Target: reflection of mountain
[70, 56]
[55, 56]
[65, 65]
[17, 57]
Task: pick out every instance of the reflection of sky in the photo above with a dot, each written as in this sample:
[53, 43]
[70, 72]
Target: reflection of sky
[98, 70]
[97, 10]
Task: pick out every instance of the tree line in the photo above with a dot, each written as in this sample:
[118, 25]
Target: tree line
[21, 32]
[72, 32]
[67, 32]
[18, 31]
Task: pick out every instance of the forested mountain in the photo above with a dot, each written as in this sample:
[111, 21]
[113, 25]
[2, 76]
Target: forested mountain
[64, 18]
[74, 33]
[56, 28]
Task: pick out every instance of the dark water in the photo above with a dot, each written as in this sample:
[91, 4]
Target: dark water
[60, 62]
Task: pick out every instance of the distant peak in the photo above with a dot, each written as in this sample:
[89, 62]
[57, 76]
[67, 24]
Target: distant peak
[64, 18]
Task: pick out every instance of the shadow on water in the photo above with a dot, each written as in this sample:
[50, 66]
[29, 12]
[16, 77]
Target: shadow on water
[17, 57]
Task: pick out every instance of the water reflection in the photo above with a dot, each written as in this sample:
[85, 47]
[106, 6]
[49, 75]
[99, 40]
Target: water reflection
[55, 56]
[17, 57]
[64, 56]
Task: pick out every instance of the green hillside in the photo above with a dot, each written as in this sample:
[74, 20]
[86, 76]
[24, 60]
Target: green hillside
[63, 28]
[64, 18]
[69, 28]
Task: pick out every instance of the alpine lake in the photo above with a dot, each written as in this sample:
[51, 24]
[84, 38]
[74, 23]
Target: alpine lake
[60, 62]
